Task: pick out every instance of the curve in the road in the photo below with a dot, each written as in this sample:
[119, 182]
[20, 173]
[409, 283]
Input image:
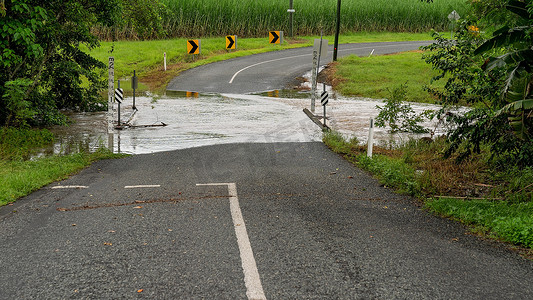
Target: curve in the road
[270, 71]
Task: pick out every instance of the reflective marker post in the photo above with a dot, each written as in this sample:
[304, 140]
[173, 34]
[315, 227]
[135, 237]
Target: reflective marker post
[324, 101]
[370, 145]
[119, 97]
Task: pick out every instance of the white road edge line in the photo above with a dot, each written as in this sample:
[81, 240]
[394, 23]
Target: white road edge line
[141, 186]
[254, 288]
[288, 57]
[69, 187]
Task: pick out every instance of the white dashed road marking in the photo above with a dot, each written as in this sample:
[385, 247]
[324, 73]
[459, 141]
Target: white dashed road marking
[142, 186]
[69, 187]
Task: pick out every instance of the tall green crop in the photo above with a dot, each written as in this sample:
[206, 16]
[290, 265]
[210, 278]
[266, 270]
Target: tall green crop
[249, 18]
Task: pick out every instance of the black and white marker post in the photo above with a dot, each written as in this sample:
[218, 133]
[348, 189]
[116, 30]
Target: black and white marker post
[119, 97]
[324, 100]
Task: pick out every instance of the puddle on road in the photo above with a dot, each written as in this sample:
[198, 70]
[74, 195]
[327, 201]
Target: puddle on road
[194, 120]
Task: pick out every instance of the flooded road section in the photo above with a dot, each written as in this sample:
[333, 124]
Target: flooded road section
[207, 120]
[194, 120]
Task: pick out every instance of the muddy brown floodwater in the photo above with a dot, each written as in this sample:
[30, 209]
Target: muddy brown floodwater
[194, 120]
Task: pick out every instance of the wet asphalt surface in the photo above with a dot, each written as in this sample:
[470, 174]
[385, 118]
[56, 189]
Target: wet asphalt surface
[319, 229]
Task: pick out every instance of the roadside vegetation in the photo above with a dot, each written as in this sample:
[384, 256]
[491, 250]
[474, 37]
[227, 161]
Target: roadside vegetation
[22, 171]
[481, 171]
[495, 202]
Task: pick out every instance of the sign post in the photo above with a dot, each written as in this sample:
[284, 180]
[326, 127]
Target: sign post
[134, 86]
[291, 12]
[313, 80]
[165, 60]
[453, 17]
[111, 82]
[111, 86]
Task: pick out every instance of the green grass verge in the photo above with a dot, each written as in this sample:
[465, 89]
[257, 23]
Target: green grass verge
[391, 172]
[22, 177]
[510, 220]
[16, 143]
[20, 174]
[376, 76]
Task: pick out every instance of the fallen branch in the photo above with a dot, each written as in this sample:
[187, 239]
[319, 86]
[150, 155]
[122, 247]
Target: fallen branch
[468, 198]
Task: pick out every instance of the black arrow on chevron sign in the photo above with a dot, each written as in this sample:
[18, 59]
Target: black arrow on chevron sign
[194, 46]
[276, 37]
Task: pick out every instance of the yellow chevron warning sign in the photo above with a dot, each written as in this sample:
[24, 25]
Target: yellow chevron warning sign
[193, 46]
[231, 42]
[275, 37]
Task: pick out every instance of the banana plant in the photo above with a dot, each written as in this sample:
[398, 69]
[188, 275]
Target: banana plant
[518, 61]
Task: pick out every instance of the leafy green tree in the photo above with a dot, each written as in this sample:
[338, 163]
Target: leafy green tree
[517, 42]
[399, 116]
[145, 17]
[42, 68]
[495, 78]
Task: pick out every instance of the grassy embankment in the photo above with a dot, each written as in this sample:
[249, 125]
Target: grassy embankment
[19, 175]
[496, 201]
[376, 76]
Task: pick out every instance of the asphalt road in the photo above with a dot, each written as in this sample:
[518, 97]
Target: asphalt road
[272, 70]
[317, 227]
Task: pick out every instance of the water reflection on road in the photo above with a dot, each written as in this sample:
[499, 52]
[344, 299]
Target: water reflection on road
[197, 120]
